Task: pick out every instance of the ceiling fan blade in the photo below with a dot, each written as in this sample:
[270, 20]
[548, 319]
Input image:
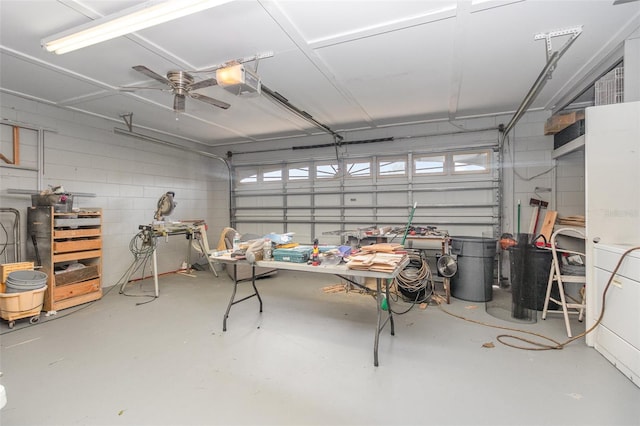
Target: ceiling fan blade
[134, 88]
[204, 83]
[146, 71]
[209, 100]
[178, 103]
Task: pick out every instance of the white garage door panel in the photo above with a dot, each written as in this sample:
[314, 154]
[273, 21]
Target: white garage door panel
[393, 199]
[298, 200]
[359, 199]
[327, 200]
[461, 203]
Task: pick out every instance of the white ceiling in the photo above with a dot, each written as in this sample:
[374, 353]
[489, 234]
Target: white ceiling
[350, 64]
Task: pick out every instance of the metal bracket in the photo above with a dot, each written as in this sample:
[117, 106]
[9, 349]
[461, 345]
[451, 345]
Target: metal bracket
[256, 58]
[128, 120]
[574, 32]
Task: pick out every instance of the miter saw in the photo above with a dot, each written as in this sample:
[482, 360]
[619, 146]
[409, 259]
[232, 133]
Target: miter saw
[165, 205]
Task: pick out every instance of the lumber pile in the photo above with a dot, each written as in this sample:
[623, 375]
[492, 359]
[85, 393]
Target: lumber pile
[382, 257]
[335, 288]
[560, 122]
[576, 220]
[382, 248]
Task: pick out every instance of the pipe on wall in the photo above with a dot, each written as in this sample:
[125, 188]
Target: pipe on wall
[152, 139]
[17, 242]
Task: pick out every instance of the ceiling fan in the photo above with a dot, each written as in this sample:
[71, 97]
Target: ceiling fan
[181, 84]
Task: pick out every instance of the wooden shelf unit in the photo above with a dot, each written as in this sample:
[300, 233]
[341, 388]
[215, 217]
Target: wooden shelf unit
[62, 239]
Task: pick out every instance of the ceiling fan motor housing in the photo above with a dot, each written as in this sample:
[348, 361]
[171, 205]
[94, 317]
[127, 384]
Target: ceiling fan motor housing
[180, 81]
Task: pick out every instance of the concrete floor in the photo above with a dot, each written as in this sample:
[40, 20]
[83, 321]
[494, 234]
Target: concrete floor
[307, 359]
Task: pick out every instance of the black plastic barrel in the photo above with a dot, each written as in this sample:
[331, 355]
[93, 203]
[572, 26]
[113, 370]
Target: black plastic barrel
[530, 268]
[474, 280]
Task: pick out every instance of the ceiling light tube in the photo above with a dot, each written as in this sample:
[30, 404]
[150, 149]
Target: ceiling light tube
[125, 22]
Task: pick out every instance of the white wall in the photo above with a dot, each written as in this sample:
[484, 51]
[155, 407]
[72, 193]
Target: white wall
[127, 175]
[570, 183]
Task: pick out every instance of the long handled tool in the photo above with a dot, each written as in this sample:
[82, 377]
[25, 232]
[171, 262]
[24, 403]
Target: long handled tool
[406, 230]
[535, 203]
[535, 217]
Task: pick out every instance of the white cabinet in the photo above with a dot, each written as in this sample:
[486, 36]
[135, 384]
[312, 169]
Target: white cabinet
[618, 336]
[612, 200]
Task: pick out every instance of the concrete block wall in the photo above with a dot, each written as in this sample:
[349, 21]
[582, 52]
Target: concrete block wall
[127, 176]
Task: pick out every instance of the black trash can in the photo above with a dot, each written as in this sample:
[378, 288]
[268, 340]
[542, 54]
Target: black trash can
[530, 268]
[474, 280]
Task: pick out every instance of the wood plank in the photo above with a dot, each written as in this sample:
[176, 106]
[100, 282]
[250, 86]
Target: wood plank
[380, 262]
[73, 290]
[382, 247]
[548, 223]
[73, 301]
[75, 233]
[558, 122]
[66, 257]
[76, 245]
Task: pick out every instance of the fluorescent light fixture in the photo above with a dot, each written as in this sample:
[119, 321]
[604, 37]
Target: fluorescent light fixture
[125, 22]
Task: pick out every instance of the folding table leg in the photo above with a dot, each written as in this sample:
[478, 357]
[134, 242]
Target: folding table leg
[379, 324]
[232, 301]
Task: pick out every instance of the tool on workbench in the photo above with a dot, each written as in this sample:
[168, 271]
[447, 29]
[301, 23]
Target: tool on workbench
[165, 205]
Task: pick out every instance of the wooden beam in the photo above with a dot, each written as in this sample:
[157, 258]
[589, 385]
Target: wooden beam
[16, 148]
[16, 145]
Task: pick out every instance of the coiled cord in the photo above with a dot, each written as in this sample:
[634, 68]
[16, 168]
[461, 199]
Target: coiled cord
[415, 277]
[142, 244]
[541, 346]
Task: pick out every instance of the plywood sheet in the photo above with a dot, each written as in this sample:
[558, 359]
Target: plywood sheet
[548, 223]
[382, 248]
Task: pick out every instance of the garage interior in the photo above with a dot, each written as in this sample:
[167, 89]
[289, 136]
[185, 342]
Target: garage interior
[443, 127]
